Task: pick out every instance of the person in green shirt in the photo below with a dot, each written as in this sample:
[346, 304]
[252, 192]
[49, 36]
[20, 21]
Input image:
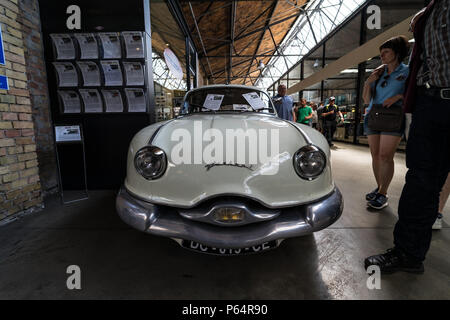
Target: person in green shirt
[303, 113]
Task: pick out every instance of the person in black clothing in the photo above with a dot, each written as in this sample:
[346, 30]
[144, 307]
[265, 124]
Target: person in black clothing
[427, 97]
[329, 120]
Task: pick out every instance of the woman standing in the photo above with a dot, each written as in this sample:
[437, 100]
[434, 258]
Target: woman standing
[385, 86]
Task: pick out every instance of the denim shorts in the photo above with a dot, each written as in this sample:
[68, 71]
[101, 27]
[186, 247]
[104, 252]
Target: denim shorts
[369, 132]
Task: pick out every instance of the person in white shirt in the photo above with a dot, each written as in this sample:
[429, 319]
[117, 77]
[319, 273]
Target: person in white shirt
[314, 119]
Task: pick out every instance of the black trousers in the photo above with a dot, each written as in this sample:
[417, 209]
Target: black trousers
[428, 161]
[330, 129]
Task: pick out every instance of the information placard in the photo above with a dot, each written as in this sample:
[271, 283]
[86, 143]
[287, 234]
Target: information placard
[70, 101]
[135, 100]
[113, 100]
[134, 44]
[134, 73]
[64, 46]
[91, 100]
[112, 72]
[254, 100]
[67, 133]
[67, 74]
[90, 73]
[88, 45]
[110, 42]
[213, 101]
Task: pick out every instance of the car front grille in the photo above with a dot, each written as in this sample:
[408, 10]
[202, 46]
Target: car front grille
[230, 211]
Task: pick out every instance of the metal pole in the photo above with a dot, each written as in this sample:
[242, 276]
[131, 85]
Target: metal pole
[201, 40]
[149, 64]
[302, 76]
[188, 65]
[322, 83]
[360, 79]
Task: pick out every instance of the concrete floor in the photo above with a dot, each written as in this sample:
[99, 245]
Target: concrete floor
[121, 263]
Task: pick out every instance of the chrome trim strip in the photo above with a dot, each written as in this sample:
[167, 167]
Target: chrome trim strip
[305, 136]
[157, 131]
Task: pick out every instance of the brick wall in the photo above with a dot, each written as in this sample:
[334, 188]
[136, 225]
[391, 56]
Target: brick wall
[20, 187]
[37, 85]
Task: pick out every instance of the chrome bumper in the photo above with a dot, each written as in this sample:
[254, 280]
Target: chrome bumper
[291, 222]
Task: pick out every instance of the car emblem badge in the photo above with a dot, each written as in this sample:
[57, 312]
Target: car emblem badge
[229, 215]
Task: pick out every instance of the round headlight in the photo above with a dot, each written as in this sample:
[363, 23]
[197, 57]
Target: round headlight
[309, 162]
[150, 162]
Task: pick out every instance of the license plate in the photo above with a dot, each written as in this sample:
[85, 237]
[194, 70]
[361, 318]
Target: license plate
[192, 245]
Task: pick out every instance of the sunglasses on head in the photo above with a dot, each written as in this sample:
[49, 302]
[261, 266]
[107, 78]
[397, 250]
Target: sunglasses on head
[384, 83]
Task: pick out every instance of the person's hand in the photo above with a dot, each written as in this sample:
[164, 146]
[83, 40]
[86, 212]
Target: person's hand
[376, 74]
[415, 19]
[408, 120]
[390, 101]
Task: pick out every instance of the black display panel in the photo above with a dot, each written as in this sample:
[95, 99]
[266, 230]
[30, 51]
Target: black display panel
[106, 134]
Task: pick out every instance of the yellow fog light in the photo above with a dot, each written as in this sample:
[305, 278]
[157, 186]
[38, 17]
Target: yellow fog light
[229, 215]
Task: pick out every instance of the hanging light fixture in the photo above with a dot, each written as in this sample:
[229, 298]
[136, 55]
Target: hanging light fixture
[316, 63]
[261, 65]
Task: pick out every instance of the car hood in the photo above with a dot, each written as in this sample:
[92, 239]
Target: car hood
[270, 179]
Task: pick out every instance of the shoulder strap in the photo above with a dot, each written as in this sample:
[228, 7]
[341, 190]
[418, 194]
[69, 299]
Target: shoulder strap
[376, 84]
[375, 88]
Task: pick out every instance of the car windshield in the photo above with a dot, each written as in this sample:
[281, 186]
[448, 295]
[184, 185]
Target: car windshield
[227, 99]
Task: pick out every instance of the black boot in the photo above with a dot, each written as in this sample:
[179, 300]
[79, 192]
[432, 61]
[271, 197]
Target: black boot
[394, 260]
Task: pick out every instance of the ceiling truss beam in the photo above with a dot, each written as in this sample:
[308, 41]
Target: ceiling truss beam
[232, 25]
[272, 10]
[253, 32]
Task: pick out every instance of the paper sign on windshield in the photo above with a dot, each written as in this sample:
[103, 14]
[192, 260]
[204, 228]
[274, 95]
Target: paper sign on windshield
[254, 100]
[213, 101]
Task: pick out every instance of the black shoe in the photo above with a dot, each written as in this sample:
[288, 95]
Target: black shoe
[394, 260]
[380, 202]
[372, 195]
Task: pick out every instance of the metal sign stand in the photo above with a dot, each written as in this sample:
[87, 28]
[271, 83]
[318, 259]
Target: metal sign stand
[64, 135]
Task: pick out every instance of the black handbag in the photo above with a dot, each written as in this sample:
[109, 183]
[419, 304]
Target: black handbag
[385, 119]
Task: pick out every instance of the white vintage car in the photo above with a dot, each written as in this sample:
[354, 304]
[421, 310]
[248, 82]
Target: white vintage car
[228, 176]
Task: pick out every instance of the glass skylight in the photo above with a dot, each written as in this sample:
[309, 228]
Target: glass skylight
[163, 76]
[324, 16]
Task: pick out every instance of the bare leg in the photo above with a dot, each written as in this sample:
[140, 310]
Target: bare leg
[388, 146]
[374, 144]
[444, 194]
